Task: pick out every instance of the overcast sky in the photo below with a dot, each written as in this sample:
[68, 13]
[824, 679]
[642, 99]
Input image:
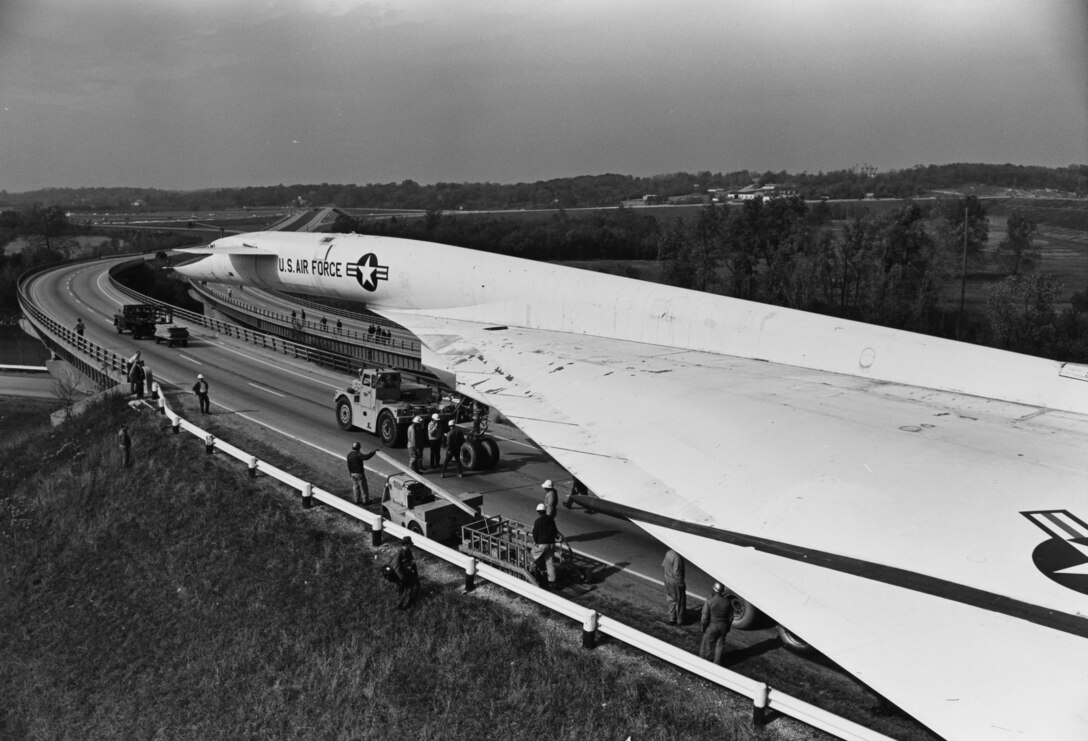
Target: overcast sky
[210, 93]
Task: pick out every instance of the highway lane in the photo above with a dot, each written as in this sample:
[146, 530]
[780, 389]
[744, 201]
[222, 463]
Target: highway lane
[294, 399]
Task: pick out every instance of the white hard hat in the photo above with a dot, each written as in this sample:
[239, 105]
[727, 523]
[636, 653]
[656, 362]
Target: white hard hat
[541, 508]
[547, 484]
[417, 418]
[718, 587]
[199, 376]
[435, 416]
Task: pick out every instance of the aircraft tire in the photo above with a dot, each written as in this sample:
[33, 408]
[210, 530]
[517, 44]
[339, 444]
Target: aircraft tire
[343, 415]
[472, 455]
[746, 616]
[491, 449]
[415, 528]
[793, 642]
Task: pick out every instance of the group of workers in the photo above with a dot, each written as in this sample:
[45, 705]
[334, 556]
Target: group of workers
[716, 617]
[432, 437]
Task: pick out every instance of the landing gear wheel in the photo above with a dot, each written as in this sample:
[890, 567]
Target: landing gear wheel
[343, 414]
[745, 615]
[792, 642]
[415, 528]
[472, 455]
[491, 448]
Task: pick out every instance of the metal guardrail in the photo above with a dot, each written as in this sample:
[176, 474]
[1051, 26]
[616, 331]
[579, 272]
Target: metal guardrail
[591, 621]
[352, 344]
[337, 361]
[107, 366]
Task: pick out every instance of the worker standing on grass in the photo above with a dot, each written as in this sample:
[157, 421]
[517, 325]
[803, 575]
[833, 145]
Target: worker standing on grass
[551, 498]
[125, 442]
[359, 488]
[454, 440]
[404, 565]
[434, 439]
[200, 388]
[675, 587]
[416, 437]
[544, 537]
[716, 620]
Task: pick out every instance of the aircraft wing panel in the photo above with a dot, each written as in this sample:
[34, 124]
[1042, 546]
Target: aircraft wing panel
[870, 503]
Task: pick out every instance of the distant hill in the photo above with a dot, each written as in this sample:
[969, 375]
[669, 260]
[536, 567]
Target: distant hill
[582, 191]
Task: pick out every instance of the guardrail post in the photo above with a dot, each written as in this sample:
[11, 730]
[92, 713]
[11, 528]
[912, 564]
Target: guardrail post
[253, 467]
[376, 533]
[175, 424]
[589, 631]
[759, 706]
[470, 575]
[308, 496]
[209, 444]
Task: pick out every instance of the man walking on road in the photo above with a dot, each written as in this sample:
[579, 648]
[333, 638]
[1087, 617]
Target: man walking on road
[716, 620]
[357, 470]
[454, 440]
[675, 588]
[200, 388]
[551, 498]
[544, 537]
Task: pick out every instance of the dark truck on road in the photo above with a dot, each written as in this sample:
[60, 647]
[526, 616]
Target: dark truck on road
[139, 319]
[148, 320]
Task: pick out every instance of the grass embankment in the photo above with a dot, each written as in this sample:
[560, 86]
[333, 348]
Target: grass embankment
[181, 599]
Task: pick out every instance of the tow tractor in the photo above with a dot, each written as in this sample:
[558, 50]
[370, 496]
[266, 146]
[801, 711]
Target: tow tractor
[412, 504]
[380, 401]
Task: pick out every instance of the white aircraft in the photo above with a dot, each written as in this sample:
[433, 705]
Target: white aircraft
[910, 506]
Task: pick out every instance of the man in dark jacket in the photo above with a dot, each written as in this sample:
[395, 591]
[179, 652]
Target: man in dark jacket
[404, 565]
[125, 442]
[545, 534]
[454, 440]
[358, 473]
[200, 388]
[716, 620]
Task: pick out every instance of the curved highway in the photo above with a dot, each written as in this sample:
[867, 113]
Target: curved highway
[294, 399]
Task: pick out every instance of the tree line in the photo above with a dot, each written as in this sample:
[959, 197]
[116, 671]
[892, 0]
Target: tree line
[570, 192]
[903, 267]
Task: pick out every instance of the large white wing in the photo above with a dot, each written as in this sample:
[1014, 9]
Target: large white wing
[913, 507]
[911, 533]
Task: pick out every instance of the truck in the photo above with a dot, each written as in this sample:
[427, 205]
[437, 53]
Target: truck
[412, 504]
[139, 319]
[172, 334]
[381, 402]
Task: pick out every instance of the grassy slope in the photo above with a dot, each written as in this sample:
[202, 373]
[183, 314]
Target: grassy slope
[179, 598]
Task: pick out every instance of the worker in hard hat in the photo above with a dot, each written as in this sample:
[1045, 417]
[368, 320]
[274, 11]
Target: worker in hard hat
[551, 497]
[544, 536]
[716, 619]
